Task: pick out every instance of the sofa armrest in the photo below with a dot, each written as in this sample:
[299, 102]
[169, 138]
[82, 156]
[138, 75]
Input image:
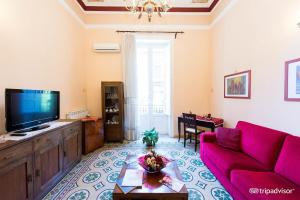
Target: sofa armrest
[208, 137]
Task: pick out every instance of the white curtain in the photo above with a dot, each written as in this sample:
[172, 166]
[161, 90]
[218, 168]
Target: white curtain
[147, 73]
[130, 84]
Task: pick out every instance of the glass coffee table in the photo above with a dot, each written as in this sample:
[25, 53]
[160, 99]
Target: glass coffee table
[152, 188]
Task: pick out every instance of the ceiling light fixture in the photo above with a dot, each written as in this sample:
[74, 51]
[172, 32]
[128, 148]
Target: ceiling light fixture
[148, 7]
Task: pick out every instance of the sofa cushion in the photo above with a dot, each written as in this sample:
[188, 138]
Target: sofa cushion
[229, 138]
[236, 194]
[261, 143]
[245, 180]
[288, 164]
[226, 160]
[207, 137]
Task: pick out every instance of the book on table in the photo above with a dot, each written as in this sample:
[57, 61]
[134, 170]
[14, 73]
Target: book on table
[173, 183]
[133, 178]
[125, 190]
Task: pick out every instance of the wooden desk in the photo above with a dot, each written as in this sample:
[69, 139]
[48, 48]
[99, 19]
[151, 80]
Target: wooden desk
[200, 122]
[152, 189]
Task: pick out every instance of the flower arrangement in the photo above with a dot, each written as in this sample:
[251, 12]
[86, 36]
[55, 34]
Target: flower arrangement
[153, 162]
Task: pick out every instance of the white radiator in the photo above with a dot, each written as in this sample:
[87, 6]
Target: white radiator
[77, 114]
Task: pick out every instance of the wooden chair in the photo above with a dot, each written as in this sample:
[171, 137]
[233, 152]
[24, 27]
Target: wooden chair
[191, 129]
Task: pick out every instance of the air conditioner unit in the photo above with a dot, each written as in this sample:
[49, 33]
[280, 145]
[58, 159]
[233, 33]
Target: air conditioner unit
[106, 47]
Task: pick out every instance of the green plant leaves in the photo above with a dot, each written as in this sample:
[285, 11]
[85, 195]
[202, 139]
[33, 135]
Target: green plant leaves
[150, 137]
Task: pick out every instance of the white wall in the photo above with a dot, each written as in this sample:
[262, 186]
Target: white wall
[261, 36]
[191, 71]
[41, 48]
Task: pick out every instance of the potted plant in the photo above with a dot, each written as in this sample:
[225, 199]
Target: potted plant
[150, 137]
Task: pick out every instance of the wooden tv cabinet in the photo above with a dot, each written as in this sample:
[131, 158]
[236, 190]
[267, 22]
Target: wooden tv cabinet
[30, 168]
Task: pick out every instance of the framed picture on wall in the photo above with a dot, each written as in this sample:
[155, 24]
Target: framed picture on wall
[292, 80]
[238, 85]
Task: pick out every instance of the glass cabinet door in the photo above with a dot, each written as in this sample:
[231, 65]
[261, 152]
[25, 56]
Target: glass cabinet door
[112, 109]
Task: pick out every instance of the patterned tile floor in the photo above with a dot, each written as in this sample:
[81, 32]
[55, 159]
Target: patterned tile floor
[94, 177]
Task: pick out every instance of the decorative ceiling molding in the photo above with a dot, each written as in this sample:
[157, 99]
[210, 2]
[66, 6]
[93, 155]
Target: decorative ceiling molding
[223, 13]
[129, 13]
[123, 9]
[139, 27]
[149, 26]
[71, 12]
[173, 3]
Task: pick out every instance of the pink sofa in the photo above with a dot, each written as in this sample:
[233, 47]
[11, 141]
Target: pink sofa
[269, 161]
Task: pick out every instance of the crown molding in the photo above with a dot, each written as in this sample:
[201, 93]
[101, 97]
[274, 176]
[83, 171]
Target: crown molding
[142, 27]
[147, 27]
[223, 13]
[129, 13]
[109, 7]
[71, 12]
[115, 3]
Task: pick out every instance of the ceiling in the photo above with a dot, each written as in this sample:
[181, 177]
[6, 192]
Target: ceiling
[194, 6]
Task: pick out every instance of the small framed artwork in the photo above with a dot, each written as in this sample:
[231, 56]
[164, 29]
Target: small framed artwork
[238, 85]
[292, 80]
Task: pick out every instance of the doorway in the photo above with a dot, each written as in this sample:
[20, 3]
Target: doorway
[154, 110]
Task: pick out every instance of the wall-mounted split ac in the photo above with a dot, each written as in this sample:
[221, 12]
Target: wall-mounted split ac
[106, 47]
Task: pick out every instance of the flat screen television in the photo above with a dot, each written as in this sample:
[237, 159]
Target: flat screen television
[30, 108]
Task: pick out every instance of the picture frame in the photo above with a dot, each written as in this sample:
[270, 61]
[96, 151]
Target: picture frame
[238, 85]
[292, 80]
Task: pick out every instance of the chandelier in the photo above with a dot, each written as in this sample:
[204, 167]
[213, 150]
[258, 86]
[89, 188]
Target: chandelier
[148, 7]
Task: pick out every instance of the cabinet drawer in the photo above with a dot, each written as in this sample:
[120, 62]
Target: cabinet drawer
[14, 153]
[48, 140]
[73, 130]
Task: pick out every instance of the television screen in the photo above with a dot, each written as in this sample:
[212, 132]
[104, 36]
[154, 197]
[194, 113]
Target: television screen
[26, 108]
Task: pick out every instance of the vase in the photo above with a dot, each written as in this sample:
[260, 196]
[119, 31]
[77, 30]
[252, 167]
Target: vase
[149, 145]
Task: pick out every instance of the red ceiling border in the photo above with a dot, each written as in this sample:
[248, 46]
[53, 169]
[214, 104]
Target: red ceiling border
[115, 8]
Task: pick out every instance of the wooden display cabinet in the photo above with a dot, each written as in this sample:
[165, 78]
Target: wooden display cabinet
[113, 111]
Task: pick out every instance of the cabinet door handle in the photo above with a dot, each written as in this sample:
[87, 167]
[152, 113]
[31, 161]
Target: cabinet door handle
[37, 172]
[29, 178]
[74, 132]
[7, 157]
[65, 154]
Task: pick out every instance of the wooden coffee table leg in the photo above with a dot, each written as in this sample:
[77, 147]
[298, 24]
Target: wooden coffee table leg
[116, 197]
